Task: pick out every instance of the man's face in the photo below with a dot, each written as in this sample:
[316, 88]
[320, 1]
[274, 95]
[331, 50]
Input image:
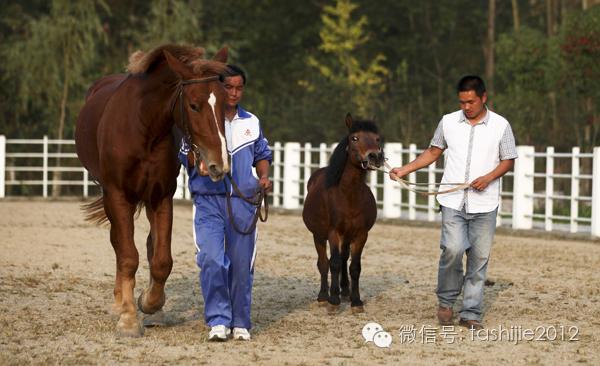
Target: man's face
[234, 86]
[472, 105]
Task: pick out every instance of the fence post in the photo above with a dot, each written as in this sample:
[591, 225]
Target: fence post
[322, 155]
[277, 174]
[574, 189]
[549, 188]
[596, 193]
[307, 165]
[45, 168]
[392, 195]
[412, 178]
[291, 175]
[86, 179]
[2, 165]
[523, 188]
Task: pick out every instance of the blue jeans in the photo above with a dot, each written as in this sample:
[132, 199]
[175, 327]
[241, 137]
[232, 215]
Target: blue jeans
[471, 233]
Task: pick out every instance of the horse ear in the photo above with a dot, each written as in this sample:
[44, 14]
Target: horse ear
[221, 56]
[177, 66]
[349, 120]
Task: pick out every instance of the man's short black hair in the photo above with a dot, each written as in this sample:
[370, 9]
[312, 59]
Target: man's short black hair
[471, 82]
[234, 70]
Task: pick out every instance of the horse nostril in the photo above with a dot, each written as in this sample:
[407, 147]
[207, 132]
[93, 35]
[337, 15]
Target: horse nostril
[213, 169]
[373, 156]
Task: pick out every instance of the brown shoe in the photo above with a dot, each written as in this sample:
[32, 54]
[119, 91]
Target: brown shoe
[470, 324]
[445, 315]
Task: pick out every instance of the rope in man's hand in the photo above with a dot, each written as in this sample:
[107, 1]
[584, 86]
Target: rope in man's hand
[407, 185]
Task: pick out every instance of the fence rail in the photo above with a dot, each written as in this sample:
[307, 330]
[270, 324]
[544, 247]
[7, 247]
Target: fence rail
[548, 190]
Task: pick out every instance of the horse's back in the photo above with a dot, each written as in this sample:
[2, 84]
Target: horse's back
[86, 131]
[315, 212]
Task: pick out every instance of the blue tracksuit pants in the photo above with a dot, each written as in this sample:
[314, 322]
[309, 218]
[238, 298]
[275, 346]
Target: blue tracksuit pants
[225, 258]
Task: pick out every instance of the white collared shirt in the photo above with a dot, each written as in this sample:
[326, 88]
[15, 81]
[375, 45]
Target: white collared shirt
[471, 152]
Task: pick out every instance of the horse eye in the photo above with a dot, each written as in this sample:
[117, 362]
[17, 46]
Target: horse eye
[354, 138]
[194, 107]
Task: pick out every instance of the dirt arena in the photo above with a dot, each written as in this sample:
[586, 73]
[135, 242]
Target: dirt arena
[57, 273]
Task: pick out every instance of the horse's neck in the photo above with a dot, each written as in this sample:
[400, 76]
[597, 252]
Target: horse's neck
[161, 122]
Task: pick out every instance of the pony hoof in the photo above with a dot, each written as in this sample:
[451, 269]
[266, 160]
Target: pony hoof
[332, 309]
[157, 319]
[357, 309]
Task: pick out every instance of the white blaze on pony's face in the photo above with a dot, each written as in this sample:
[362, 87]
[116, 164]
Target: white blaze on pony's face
[212, 101]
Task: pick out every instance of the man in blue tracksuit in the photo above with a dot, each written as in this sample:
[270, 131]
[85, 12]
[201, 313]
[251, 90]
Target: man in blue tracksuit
[224, 255]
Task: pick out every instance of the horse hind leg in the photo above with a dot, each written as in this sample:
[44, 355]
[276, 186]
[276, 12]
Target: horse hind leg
[323, 265]
[158, 246]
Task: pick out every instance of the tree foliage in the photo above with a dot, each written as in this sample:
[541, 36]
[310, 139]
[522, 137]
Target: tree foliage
[309, 64]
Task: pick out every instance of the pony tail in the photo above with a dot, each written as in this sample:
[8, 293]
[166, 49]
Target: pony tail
[337, 162]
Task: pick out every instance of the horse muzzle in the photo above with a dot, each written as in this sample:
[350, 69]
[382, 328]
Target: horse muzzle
[373, 159]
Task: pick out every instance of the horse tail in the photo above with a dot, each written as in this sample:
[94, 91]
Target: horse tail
[94, 211]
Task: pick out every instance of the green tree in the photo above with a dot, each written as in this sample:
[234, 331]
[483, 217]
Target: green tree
[341, 63]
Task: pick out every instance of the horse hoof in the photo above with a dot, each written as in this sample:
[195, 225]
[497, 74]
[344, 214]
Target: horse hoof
[142, 303]
[332, 309]
[157, 319]
[357, 309]
[132, 331]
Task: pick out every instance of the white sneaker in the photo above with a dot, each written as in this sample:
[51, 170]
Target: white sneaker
[241, 334]
[219, 333]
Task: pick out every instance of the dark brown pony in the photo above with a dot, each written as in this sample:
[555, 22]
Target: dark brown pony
[125, 138]
[341, 209]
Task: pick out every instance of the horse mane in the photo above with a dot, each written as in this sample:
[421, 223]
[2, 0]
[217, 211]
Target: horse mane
[337, 161]
[142, 62]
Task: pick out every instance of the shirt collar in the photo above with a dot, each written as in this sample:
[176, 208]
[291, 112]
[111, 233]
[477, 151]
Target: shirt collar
[240, 113]
[485, 119]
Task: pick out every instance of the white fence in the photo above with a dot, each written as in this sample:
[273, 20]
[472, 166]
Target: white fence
[552, 191]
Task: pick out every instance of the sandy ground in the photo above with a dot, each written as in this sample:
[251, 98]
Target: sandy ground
[57, 273]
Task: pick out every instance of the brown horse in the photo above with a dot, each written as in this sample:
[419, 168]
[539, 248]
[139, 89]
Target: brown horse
[126, 138]
[341, 209]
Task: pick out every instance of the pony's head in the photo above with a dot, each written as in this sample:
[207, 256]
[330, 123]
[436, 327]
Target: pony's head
[362, 146]
[199, 109]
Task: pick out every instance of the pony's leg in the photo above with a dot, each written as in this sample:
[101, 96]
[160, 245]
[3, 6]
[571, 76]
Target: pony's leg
[335, 266]
[323, 265]
[356, 249]
[344, 282]
[120, 214]
[158, 248]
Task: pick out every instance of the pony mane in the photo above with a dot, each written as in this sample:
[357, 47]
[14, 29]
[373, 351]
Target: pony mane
[140, 61]
[337, 161]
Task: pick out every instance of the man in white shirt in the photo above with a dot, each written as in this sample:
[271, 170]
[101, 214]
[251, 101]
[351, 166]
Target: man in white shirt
[480, 148]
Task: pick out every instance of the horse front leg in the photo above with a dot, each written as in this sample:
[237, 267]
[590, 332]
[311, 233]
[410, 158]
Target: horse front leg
[335, 266]
[120, 214]
[160, 261]
[356, 249]
[323, 265]
[344, 282]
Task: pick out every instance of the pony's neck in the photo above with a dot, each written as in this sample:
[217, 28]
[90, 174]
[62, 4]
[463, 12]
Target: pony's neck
[352, 176]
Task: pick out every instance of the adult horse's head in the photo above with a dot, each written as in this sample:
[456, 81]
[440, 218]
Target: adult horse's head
[199, 109]
[364, 143]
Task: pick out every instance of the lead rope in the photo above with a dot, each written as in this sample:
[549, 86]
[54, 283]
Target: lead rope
[407, 185]
[258, 200]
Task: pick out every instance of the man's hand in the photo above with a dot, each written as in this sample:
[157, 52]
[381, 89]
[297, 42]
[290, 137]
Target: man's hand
[481, 183]
[397, 173]
[265, 183]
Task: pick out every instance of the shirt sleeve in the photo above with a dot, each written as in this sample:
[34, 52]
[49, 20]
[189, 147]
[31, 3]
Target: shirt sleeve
[262, 150]
[183, 151]
[438, 139]
[508, 149]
